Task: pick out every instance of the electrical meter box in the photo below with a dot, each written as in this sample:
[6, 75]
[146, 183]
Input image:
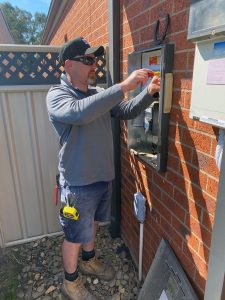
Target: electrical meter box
[208, 87]
[207, 29]
[148, 133]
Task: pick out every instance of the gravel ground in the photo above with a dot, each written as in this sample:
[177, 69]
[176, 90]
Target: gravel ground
[34, 270]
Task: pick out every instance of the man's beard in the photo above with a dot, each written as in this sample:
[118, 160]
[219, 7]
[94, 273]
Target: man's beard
[92, 78]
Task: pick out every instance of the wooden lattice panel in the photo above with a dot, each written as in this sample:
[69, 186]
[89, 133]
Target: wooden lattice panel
[101, 70]
[37, 68]
[29, 68]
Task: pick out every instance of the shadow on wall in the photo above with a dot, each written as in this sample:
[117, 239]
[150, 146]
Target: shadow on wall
[182, 210]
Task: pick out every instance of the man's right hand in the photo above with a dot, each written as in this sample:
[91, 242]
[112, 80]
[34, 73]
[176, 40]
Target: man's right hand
[137, 77]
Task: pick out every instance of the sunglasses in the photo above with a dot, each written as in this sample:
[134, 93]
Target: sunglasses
[86, 60]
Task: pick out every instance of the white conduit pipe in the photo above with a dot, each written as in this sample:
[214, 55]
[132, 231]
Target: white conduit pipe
[219, 147]
[140, 251]
[139, 211]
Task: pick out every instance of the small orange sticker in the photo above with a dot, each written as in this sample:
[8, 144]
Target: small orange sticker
[153, 60]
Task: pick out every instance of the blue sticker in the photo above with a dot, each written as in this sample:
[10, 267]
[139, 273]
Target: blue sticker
[219, 48]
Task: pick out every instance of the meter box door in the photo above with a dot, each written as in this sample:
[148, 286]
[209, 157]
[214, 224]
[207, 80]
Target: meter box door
[208, 87]
[148, 133]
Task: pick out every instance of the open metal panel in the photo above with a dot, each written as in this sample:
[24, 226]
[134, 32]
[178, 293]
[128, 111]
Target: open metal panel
[166, 279]
[206, 19]
[151, 143]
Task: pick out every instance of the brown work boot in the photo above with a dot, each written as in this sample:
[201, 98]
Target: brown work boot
[95, 267]
[75, 290]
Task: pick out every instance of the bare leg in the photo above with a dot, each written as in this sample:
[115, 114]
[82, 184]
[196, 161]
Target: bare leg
[95, 266]
[70, 252]
[90, 246]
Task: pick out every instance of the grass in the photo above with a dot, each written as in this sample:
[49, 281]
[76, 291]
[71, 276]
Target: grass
[10, 267]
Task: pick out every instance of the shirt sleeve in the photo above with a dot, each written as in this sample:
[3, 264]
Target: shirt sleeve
[64, 107]
[132, 108]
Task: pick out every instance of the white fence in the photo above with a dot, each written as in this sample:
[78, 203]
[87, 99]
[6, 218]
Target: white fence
[28, 146]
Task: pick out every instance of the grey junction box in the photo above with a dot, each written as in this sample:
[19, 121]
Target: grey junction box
[208, 87]
[207, 28]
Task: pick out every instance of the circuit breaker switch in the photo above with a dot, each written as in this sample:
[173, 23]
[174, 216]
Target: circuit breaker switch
[153, 73]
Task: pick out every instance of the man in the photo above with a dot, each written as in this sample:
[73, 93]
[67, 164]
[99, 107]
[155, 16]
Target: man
[81, 116]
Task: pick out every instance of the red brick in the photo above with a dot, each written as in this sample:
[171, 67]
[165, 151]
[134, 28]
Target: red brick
[168, 230]
[179, 5]
[146, 34]
[180, 60]
[206, 163]
[194, 175]
[180, 181]
[161, 10]
[201, 266]
[163, 184]
[200, 282]
[194, 226]
[208, 220]
[181, 198]
[179, 22]
[199, 231]
[187, 101]
[194, 210]
[186, 263]
[204, 252]
[181, 116]
[202, 199]
[190, 60]
[175, 132]
[155, 190]
[184, 153]
[192, 241]
[178, 98]
[182, 80]
[162, 210]
[180, 227]
[173, 207]
[173, 163]
[196, 140]
[204, 127]
[180, 40]
[140, 21]
[132, 10]
[145, 3]
[212, 187]
[213, 146]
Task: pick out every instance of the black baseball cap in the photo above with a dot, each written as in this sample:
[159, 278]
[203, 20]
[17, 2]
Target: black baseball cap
[76, 47]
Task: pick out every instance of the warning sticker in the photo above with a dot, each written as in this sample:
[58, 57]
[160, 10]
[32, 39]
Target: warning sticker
[153, 60]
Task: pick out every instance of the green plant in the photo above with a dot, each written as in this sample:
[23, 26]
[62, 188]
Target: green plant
[10, 267]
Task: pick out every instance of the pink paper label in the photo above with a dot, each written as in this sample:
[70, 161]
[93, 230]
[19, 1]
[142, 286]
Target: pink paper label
[216, 71]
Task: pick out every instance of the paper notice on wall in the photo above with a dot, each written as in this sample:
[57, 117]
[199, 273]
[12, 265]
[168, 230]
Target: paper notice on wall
[216, 71]
[163, 296]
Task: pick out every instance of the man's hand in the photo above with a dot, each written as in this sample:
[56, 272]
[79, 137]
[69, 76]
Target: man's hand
[154, 86]
[138, 77]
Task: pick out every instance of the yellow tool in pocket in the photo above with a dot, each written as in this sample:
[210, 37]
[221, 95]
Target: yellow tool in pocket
[70, 213]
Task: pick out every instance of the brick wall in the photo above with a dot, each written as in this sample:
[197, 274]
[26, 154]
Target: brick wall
[183, 198]
[87, 18]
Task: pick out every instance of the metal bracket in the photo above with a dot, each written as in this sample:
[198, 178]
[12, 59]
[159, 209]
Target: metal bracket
[158, 39]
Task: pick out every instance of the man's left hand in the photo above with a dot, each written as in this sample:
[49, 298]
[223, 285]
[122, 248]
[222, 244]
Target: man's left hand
[154, 86]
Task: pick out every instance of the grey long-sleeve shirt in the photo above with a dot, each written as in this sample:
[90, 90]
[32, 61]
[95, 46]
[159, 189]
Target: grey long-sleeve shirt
[83, 124]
